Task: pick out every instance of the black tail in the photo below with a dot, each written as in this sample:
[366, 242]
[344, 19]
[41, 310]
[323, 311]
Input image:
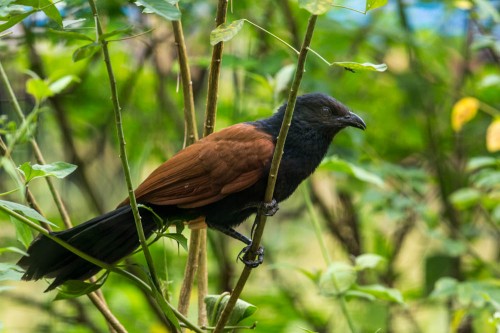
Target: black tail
[109, 238]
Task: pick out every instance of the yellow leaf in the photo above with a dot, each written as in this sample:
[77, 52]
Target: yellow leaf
[463, 111]
[493, 136]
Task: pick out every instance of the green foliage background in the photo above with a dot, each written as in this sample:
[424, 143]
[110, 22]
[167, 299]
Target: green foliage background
[408, 189]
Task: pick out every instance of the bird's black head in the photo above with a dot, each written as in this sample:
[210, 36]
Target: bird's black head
[322, 111]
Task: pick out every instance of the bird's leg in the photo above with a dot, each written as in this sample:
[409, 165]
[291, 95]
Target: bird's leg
[269, 209]
[242, 238]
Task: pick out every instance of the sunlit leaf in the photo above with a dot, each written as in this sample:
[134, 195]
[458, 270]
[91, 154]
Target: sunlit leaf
[38, 88]
[76, 288]
[14, 250]
[283, 78]
[463, 111]
[477, 163]
[44, 5]
[56, 169]
[164, 8]
[316, 7]
[373, 4]
[369, 260]
[10, 272]
[216, 303]
[85, 51]
[355, 66]
[465, 198]
[337, 279]
[444, 287]
[336, 164]
[15, 19]
[381, 292]
[60, 84]
[463, 4]
[225, 31]
[67, 23]
[493, 136]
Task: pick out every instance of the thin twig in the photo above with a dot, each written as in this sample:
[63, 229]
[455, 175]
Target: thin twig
[123, 151]
[273, 173]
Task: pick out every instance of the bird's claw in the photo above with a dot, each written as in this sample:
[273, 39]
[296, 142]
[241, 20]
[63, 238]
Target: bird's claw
[269, 208]
[252, 263]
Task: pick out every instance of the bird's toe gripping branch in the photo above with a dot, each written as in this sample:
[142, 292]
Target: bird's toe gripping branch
[252, 263]
[269, 209]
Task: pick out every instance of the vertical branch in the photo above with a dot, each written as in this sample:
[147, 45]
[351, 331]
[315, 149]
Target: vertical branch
[123, 153]
[191, 135]
[214, 73]
[278, 153]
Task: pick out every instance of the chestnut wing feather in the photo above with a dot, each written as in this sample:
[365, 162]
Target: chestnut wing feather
[225, 162]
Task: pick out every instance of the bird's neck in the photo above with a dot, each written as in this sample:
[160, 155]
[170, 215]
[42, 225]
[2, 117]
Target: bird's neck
[304, 143]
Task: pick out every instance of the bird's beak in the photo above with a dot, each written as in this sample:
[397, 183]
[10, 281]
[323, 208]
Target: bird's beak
[353, 120]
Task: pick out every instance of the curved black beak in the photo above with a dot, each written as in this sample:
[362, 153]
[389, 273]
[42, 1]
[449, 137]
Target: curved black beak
[353, 120]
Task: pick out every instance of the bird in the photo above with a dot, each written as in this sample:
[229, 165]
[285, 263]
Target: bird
[221, 178]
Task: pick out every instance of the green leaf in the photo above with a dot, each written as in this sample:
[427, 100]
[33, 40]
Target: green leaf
[336, 164]
[373, 4]
[56, 169]
[316, 7]
[356, 66]
[179, 238]
[13, 249]
[164, 8]
[338, 278]
[15, 19]
[62, 83]
[216, 303]
[67, 23]
[38, 88]
[115, 32]
[445, 287]
[23, 232]
[465, 198]
[76, 288]
[10, 272]
[46, 6]
[225, 32]
[26, 211]
[381, 292]
[477, 163]
[283, 78]
[86, 51]
[70, 35]
[369, 260]
[306, 330]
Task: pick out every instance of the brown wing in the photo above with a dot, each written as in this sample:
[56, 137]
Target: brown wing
[225, 162]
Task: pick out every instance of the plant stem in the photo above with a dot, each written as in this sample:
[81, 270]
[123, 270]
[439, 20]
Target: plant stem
[273, 173]
[123, 152]
[214, 73]
[190, 136]
[110, 318]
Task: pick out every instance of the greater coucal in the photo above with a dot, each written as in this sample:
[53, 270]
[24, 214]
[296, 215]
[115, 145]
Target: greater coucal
[222, 178]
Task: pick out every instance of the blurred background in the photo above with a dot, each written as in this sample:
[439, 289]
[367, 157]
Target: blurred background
[419, 189]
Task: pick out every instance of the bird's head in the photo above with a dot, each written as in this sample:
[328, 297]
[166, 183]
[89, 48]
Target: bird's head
[323, 111]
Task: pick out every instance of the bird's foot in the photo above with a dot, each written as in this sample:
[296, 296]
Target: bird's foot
[269, 208]
[252, 263]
